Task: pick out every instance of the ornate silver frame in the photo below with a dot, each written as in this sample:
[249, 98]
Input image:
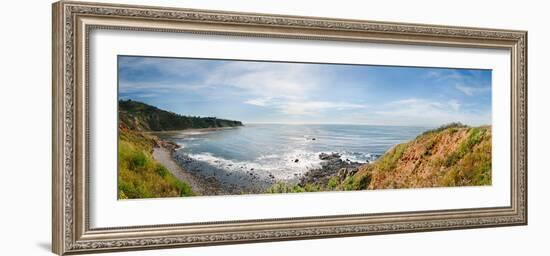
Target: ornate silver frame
[72, 22]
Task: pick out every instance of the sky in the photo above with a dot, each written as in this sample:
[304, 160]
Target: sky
[308, 93]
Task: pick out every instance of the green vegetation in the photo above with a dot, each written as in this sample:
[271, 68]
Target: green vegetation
[390, 160]
[453, 127]
[356, 182]
[139, 175]
[451, 155]
[281, 187]
[475, 136]
[471, 163]
[142, 117]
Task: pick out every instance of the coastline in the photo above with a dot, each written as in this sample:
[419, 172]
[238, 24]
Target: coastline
[164, 151]
[459, 150]
[333, 166]
[191, 130]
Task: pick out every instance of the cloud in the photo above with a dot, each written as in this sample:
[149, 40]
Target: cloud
[262, 102]
[310, 93]
[164, 67]
[158, 87]
[470, 90]
[302, 107]
[315, 107]
[471, 77]
[249, 79]
[444, 74]
[454, 104]
[269, 79]
[416, 111]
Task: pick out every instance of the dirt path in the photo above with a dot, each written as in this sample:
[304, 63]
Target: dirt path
[199, 185]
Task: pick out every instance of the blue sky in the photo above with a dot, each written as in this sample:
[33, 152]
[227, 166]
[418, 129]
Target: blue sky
[278, 92]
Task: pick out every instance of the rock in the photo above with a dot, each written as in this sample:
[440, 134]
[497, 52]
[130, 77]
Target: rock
[296, 160]
[325, 156]
[313, 139]
[343, 173]
[331, 166]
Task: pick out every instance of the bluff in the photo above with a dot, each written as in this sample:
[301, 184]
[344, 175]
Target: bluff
[143, 117]
[452, 155]
[139, 174]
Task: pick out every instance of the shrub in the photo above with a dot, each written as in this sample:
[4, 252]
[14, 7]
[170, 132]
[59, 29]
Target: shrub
[453, 125]
[332, 183]
[471, 163]
[364, 181]
[141, 176]
[282, 187]
[475, 135]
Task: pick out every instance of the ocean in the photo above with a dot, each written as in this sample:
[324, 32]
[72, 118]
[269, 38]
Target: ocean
[257, 155]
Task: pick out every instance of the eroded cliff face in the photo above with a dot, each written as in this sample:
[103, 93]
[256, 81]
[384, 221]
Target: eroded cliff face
[453, 156]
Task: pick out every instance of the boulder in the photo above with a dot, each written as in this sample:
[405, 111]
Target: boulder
[325, 156]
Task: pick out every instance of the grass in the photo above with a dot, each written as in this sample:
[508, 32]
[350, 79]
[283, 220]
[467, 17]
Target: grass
[281, 187]
[453, 127]
[471, 163]
[333, 183]
[389, 161]
[141, 176]
[475, 135]
[433, 159]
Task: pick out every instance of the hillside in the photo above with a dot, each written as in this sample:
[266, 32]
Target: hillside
[143, 117]
[139, 174]
[454, 155]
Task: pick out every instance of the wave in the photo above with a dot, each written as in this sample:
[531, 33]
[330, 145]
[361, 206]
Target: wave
[278, 167]
[359, 157]
[288, 167]
[259, 155]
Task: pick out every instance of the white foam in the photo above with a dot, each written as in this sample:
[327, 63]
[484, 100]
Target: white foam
[282, 167]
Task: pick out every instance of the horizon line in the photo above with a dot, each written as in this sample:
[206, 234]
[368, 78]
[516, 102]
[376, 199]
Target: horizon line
[298, 123]
[357, 124]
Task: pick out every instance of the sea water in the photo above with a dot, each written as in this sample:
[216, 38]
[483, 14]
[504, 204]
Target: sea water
[261, 154]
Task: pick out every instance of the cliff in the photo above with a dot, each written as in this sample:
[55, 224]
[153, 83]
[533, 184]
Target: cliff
[453, 155]
[143, 117]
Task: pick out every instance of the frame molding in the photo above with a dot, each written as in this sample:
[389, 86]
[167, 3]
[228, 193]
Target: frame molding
[72, 23]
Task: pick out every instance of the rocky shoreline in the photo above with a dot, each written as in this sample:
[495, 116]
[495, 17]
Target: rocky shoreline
[332, 166]
[201, 186]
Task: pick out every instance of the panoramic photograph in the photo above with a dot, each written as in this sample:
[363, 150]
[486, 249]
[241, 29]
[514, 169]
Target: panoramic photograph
[207, 127]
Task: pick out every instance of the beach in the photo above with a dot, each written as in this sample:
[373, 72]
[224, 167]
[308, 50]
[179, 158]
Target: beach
[200, 185]
[251, 159]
